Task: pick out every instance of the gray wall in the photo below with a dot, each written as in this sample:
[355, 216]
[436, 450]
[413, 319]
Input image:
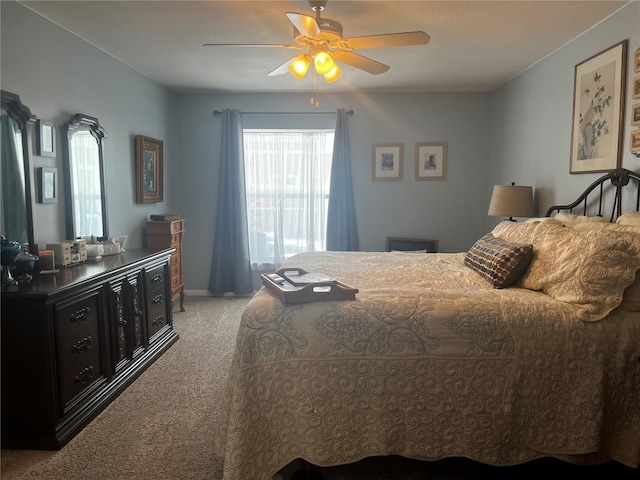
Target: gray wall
[519, 133]
[532, 115]
[445, 210]
[57, 75]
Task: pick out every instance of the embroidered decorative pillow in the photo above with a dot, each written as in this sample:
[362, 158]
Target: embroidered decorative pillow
[499, 262]
[588, 267]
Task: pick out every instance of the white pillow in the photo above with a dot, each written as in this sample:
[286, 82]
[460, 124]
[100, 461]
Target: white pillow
[572, 218]
[629, 218]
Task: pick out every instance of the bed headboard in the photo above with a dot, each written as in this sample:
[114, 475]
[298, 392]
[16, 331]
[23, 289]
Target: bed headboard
[594, 198]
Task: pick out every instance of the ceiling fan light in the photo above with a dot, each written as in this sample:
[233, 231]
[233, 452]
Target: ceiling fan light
[334, 74]
[299, 67]
[324, 63]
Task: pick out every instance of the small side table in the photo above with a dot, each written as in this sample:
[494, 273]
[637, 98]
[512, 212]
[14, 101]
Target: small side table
[406, 244]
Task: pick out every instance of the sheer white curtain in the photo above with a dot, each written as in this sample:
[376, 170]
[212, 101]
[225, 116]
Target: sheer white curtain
[287, 183]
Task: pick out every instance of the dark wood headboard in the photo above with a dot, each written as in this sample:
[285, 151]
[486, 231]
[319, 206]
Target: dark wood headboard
[593, 198]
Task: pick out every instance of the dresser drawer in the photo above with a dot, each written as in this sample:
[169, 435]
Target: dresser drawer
[78, 347]
[155, 279]
[157, 316]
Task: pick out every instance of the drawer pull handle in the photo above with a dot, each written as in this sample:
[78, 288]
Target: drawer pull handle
[81, 315]
[158, 299]
[158, 322]
[84, 376]
[83, 345]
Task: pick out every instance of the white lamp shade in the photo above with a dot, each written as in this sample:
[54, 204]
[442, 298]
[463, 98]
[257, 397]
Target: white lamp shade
[511, 201]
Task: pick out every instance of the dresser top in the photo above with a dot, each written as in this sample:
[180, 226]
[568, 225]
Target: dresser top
[88, 272]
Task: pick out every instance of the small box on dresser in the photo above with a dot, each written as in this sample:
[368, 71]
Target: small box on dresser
[169, 234]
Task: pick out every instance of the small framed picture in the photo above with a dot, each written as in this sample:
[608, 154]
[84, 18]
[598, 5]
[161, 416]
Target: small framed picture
[636, 61]
[48, 185]
[387, 161]
[46, 138]
[149, 162]
[431, 161]
[635, 114]
[635, 141]
[635, 93]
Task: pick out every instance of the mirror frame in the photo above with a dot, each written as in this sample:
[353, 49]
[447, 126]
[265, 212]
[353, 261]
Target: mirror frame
[83, 122]
[14, 107]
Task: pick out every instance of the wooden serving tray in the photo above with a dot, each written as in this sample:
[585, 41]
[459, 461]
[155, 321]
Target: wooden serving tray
[313, 292]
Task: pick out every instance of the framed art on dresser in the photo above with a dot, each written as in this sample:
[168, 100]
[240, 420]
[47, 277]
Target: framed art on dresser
[598, 111]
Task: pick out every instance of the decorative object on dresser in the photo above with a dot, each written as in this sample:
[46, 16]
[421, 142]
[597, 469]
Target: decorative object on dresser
[168, 234]
[511, 201]
[149, 165]
[73, 341]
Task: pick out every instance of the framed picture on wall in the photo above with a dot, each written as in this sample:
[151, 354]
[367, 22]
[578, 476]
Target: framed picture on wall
[431, 161]
[149, 164]
[48, 185]
[598, 111]
[636, 61]
[635, 114]
[387, 161]
[636, 88]
[635, 141]
[46, 138]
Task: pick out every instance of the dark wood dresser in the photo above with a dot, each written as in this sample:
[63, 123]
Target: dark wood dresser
[168, 234]
[74, 340]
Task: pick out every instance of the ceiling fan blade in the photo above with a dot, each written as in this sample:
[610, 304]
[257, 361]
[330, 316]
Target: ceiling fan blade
[358, 61]
[258, 45]
[403, 39]
[282, 69]
[305, 24]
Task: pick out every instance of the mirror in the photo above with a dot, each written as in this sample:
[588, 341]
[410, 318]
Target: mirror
[16, 216]
[86, 212]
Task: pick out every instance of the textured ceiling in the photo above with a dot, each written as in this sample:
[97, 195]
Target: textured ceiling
[475, 45]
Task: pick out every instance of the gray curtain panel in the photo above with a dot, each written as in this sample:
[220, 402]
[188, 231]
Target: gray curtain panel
[342, 231]
[231, 268]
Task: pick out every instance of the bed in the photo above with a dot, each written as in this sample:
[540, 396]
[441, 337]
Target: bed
[452, 354]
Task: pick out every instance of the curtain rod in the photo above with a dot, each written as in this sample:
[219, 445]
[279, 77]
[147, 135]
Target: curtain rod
[220, 112]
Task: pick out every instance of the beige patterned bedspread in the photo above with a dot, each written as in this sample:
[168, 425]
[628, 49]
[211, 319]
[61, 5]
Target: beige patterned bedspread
[428, 362]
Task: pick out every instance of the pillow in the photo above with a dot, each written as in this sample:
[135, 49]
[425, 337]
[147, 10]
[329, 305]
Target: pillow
[629, 218]
[588, 268]
[572, 218]
[499, 262]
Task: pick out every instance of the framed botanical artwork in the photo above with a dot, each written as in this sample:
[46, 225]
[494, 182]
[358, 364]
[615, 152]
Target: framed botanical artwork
[149, 164]
[636, 61]
[635, 114]
[635, 93]
[635, 141]
[598, 111]
[46, 138]
[48, 185]
[431, 161]
[387, 161]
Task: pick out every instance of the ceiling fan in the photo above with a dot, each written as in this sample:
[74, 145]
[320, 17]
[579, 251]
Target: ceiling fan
[323, 45]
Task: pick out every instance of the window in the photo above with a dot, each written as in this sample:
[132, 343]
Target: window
[287, 175]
